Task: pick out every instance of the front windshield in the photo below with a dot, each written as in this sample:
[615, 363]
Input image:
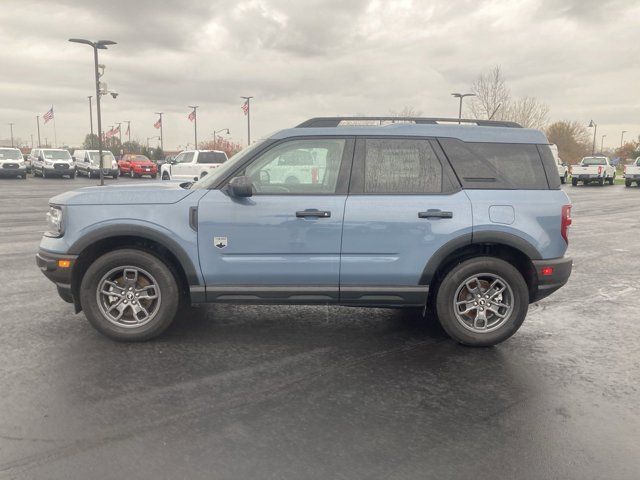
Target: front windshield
[593, 161]
[108, 157]
[222, 170]
[140, 158]
[10, 154]
[56, 155]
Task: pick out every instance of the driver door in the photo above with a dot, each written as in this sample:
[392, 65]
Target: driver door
[283, 243]
[182, 169]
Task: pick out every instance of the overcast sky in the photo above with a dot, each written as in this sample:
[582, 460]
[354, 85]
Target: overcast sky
[306, 58]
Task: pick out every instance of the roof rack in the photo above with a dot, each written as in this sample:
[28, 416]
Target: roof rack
[320, 122]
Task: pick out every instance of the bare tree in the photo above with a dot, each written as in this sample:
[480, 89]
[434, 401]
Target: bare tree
[491, 95]
[572, 138]
[527, 111]
[407, 111]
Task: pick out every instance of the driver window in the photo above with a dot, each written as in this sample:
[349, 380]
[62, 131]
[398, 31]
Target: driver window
[179, 158]
[187, 158]
[309, 166]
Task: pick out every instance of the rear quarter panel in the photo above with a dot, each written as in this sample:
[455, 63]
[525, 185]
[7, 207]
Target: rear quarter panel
[532, 215]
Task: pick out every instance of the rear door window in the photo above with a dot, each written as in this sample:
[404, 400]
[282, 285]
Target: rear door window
[398, 166]
[496, 165]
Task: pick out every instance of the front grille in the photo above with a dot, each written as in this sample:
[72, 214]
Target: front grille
[60, 166]
[9, 165]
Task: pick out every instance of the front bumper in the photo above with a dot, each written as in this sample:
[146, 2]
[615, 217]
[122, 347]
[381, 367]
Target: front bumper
[13, 172]
[59, 171]
[549, 283]
[143, 171]
[49, 265]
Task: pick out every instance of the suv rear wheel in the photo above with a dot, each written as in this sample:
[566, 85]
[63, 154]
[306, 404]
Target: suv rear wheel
[482, 301]
[129, 295]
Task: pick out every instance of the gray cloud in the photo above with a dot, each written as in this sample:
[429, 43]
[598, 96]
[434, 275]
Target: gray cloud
[308, 58]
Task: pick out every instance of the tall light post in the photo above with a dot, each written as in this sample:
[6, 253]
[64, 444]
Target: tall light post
[602, 142]
[11, 127]
[248, 114]
[99, 45]
[161, 136]
[622, 138]
[219, 131]
[151, 138]
[38, 124]
[593, 125]
[91, 118]
[461, 96]
[194, 115]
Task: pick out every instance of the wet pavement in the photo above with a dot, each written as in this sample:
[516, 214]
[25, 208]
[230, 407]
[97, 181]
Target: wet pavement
[312, 392]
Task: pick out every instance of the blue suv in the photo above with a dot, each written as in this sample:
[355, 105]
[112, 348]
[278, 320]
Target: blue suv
[466, 221]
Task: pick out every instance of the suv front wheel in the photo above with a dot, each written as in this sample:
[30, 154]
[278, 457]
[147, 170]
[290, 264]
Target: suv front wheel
[129, 295]
[482, 301]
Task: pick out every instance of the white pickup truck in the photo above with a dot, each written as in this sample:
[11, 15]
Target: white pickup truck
[593, 169]
[632, 173]
[192, 164]
[563, 169]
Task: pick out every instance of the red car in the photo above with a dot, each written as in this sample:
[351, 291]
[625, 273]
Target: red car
[137, 166]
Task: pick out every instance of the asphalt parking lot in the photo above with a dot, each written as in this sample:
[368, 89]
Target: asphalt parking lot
[312, 392]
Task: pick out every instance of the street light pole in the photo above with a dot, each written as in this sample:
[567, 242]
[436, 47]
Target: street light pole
[461, 96]
[602, 143]
[11, 127]
[248, 100]
[622, 138]
[195, 125]
[593, 125]
[99, 45]
[218, 131]
[161, 135]
[38, 123]
[91, 119]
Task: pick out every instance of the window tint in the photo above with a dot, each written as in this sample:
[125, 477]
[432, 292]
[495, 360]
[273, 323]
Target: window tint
[550, 168]
[188, 157]
[496, 165]
[300, 166]
[401, 166]
[212, 157]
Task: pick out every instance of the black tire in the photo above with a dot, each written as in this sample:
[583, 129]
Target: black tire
[612, 180]
[165, 176]
[563, 179]
[72, 176]
[574, 182]
[601, 181]
[154, 176]
[166, 283]
[455, 278]
[627, 183]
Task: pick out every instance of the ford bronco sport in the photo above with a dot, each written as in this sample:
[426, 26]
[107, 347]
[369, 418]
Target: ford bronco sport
[465, 221]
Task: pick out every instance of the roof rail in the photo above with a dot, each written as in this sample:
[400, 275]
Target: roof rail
[320, 122]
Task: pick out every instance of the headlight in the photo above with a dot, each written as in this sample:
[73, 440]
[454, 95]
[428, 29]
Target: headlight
[54, 222]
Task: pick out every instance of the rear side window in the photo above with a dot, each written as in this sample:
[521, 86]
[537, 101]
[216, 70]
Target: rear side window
[496, 165]
[550, 166]
[211, 157]
[402, 166]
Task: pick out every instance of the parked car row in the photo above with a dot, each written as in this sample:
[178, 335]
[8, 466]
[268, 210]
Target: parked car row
[54, 162]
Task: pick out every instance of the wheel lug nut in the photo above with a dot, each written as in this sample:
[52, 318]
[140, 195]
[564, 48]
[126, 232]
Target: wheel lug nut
[481, 309]
[137, 294]
[475, 303]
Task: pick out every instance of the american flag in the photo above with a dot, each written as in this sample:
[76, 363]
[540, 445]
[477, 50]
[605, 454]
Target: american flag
[192, 116]
[111, 132]
[48, 116]
[158, 124]
[245, 107]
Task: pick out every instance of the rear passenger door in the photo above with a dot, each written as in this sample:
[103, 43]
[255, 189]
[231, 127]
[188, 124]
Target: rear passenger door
[404, 204]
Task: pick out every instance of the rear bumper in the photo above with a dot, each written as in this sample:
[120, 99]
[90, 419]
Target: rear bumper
[547, 284]
[632, 176]
[142, 171]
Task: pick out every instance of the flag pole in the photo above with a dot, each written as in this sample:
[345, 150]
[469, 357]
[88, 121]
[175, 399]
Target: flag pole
[55, 135]
[38, 123]
[248, 100]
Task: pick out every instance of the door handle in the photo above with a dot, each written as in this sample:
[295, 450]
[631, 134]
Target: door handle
[313, 213]
[435, 214]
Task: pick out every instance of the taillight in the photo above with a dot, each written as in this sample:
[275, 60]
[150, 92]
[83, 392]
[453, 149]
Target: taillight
[565, 222]
[599, 170]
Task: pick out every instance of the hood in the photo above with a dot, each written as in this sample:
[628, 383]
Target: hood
[132, 194]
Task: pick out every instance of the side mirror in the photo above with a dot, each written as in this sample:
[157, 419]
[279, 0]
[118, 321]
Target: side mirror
[73, 158]
[40, 158]
[241, 187]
